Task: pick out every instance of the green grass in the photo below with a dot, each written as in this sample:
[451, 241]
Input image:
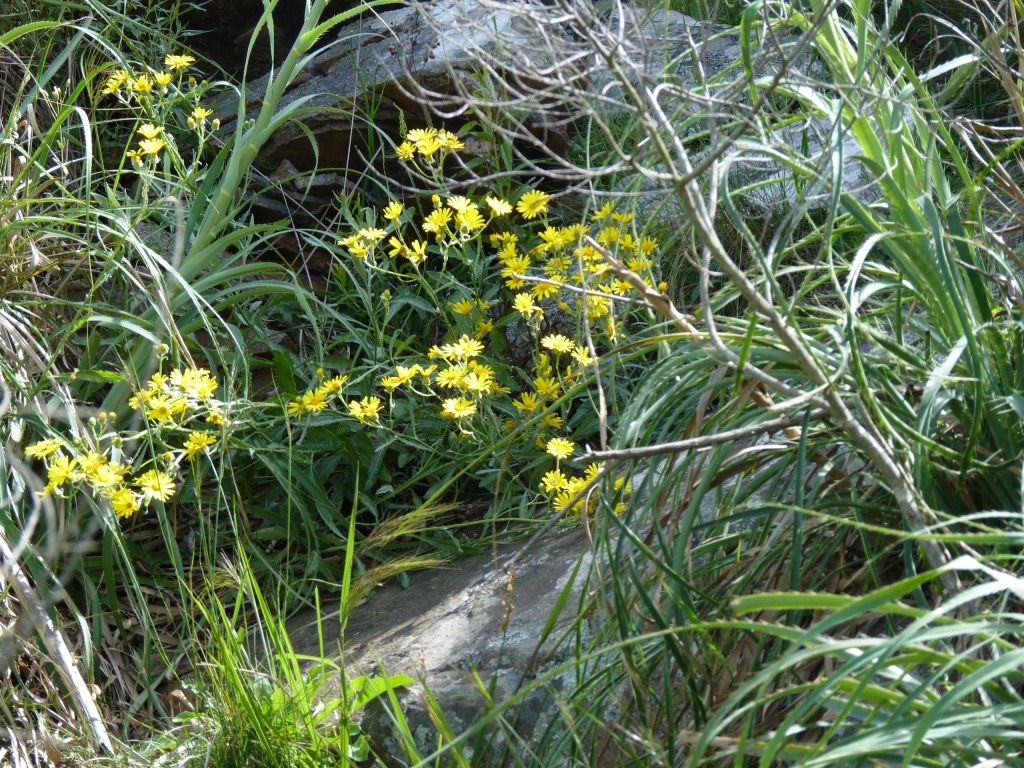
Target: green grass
[807, 529]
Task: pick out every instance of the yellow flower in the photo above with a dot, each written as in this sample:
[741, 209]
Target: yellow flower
[603, 212]
[142, 84]
[546, 386]
[582, 356]
[297, 407]
[163, 79]
[452, 378]
[556, 342]
[499, 206]
[160, 408]
[114, 82]
[483, 327]
[200, 114]
[460, 203]
[156, 485]
[533, 203]
[417, 252]
[406, 150]
[429, 146]
[437, 220]
[43, 448]
[124, 502]
[359, 249]
[91, 461]
[458, 408]
[397, 248]
[648, 245]
[417, 135]
[461, 307]
[470, 219]
[545, 290]
[553, 421]
[393, 210]
[365, 410]
[107, 476]
[625, 218]
[197, 442]
[175, 62]
[527, 402]
[463, 349]
[560, 448]
[449, 139]
[403, 375]
[62, 469]
[553, 481]
[314, 401]
[525, 305]
[334, 384]
[372, 234]
[151, 146]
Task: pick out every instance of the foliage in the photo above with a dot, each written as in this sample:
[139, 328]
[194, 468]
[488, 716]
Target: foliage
[804, 494]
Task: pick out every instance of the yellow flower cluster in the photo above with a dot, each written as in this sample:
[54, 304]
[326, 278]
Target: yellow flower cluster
[167, 402]
[428, 143]
[143, 91]
[365, 410]
[563, 489]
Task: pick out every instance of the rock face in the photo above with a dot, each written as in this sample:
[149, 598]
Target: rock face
[452, 622]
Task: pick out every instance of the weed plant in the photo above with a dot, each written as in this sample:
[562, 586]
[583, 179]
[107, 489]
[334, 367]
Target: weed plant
[804, 494]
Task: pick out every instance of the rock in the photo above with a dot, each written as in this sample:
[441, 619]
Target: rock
[448, 624]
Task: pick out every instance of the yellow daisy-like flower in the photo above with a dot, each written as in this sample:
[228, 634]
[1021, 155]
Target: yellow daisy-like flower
[151, 146]
[417, 252]
[553, 481]
[582, 356]
[452, 378]
[533, 203]
[334, 384]
[556, 342]
[365, 410]
[107, 476]
[156, 485]
[470, 220]
[547, 386]
[124, 502]
[463, 349]
[449, 139]
[545, 290]
[174, 62]
[458, 408]
[461, 307]
[499, 206]
[406, 150]
[372, 234]
[553, 421]
[560, 448]
[437, 221]
[397, 248]
[197, 442]
[525, 305]
[460, 203]
[527, 402]
[163, 79]
[43, 448]
[314, 401]
[296, 407]
[115, 82]
[142, 85]
[61, 470]
[603, 212]
[393, 210]
[90, 461]
[200, 114]
[483, 327]
[150, 131]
